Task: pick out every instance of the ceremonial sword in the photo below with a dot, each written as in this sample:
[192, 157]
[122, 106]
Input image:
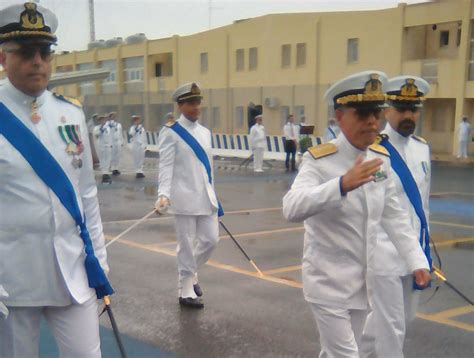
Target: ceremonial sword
[440, 274]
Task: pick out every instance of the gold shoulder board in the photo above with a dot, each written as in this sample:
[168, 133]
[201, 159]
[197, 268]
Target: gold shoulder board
[379, 149]
[169, 124]
[70, 100]
[419, 139]
[322, 150]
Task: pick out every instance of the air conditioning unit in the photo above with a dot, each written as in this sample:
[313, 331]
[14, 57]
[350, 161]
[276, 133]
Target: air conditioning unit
[271, 102]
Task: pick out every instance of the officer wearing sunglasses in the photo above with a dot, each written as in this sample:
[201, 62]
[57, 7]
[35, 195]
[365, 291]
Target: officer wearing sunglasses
[394, 301]
[42, 260]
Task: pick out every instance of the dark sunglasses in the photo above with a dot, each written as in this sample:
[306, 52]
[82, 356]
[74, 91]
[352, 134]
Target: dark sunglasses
[364, 113]
[404, 109]
[27, 53]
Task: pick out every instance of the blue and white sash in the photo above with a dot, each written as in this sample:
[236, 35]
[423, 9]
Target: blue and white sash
[51, 173]
[412, 192]
[200, 154]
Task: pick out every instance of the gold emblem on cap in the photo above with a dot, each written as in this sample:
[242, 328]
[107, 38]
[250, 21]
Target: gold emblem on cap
[195, 89]
[409, 88]
[372, 92]
[31, 18]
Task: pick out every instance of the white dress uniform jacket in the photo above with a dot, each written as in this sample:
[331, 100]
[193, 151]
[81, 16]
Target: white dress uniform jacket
[103, 137]
[42, 255]
[182, 175]
[138, 141]
[257, 136]
[341, 230]
[117, 143]
[416, 154]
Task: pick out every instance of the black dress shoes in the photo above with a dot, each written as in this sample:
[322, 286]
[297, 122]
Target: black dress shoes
[139, 175]
[106, 179]
[191, 302]
[116, 172]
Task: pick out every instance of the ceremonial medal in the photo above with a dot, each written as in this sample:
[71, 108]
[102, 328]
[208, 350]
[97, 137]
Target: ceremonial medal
[380, 175]
[35, 116]
[70, 134]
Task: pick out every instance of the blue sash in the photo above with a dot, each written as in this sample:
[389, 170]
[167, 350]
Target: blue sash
[411, 189]
[51, 173]
[200, 154]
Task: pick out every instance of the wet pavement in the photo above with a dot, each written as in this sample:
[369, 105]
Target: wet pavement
[247, 315]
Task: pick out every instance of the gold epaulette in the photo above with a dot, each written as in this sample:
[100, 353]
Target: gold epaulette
[379, 138]
[70, 100]
[322, 150]
[169, 124]
[379, 149]
[419, 139]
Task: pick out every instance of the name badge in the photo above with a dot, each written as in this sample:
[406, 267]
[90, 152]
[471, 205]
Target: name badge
[380, 175]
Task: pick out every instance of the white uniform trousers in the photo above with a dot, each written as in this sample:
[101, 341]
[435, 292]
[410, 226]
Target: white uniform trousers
[393, 307]
[138, 158]
[258, 158]
[105, 155]
[462, 151]
[75, 328]
[115, 160]
[340, 330]
[197, 237]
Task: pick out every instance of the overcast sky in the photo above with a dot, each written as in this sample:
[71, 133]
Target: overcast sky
[160, 18]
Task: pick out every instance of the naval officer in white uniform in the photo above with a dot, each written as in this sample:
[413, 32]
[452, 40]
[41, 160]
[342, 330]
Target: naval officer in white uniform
[138, 141]
[393, 298]
[103, 137]
[117, 143]
[258, 141]
[185, 187]
[42, 255]
[342, 192]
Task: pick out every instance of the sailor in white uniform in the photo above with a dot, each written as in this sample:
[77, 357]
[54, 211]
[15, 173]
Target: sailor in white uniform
[186, 186]
[117, 143]
[258, 141]
[42, 264]
[138, 141]
[103, 139]
[343, 192]
[393, 298]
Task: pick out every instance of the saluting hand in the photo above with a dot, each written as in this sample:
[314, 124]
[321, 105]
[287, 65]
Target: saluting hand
[360, 174]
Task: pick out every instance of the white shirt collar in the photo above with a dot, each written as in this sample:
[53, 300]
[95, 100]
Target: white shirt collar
[20, 97]
[346, 148]
[395, 137]
[186, 122]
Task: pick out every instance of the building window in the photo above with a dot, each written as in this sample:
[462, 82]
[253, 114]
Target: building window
[216, 117]
[458, 39]
[299, 112]
[133, 69]
[253, 58]
[285, 56]
[158, 69]
[110, 65]
[300, 54]
[352, 50]
[239, 117]
[239, 59]
[87, 88]
[204, 63]
[443, 38]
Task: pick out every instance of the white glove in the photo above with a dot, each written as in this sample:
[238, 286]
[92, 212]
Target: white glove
[162, 205]
[3, 308]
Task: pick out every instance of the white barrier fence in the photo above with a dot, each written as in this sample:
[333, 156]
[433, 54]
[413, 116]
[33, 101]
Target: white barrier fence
[237, 145]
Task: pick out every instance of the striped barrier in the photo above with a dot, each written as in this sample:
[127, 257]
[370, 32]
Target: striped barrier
[237, 145]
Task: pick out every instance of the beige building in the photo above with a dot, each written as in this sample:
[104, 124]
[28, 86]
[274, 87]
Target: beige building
[283, 64]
